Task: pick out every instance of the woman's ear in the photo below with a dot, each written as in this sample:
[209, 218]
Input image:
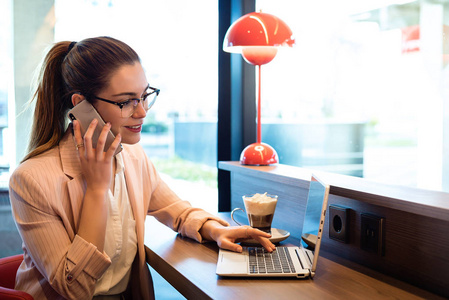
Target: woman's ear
[77, 98]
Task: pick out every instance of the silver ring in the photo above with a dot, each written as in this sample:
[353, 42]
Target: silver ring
[79, 146]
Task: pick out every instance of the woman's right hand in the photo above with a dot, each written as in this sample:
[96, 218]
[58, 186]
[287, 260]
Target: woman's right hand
[96, 164]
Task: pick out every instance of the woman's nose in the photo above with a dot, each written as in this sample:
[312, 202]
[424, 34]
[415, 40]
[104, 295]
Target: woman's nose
[139, 111]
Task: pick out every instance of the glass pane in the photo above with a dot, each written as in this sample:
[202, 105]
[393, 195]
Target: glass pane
[361, 92]
[178, 52]
[11, 241]
[177, 43]
[6, 84]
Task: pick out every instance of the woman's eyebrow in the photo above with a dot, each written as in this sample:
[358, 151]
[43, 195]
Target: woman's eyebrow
[130, 93]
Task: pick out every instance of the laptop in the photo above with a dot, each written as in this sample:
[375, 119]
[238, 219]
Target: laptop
[285, 261]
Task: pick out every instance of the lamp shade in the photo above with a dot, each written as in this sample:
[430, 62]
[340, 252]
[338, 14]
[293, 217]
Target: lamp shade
[257, 36]
[259, 154]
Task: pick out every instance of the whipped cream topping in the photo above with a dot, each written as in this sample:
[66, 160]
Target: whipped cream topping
[260, 204]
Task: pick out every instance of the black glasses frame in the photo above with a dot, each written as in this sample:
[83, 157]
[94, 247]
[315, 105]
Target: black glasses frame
[143, 98]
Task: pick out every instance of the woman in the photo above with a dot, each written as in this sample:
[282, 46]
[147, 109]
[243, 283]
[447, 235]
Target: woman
[81, 210]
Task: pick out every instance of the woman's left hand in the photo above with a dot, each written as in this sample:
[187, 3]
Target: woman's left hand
[228, 237]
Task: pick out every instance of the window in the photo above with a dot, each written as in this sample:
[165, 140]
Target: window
[6, 84]
[178, 52]
[177, 42]
[164, 34]
[362, 92]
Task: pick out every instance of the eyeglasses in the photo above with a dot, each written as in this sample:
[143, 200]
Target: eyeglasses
[128, 107]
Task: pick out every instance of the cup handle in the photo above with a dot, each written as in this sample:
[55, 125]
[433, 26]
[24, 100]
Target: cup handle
[232, 215]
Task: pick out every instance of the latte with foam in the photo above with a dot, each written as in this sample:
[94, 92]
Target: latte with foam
[260, 210]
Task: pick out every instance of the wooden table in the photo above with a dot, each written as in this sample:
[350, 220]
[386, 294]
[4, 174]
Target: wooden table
[190, 268]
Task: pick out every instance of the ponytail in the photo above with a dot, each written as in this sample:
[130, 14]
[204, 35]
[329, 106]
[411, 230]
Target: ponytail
[52, 103]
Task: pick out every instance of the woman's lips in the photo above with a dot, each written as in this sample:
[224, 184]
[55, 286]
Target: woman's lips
[136, 128]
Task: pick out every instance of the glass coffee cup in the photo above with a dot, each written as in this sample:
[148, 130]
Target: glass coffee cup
[259, 209]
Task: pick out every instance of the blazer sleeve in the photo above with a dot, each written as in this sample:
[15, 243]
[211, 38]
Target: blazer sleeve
[170, 210]
[179, 215]
[67, 262]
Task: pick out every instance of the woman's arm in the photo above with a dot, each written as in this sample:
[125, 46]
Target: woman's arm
[67, 262]
[70, 259]
[195, 223]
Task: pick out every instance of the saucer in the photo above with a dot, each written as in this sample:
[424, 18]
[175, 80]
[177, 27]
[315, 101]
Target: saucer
[277, 235]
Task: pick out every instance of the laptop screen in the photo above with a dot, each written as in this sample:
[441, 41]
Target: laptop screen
[317, 195]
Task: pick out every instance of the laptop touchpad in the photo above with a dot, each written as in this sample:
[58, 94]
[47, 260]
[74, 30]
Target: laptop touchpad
[232, 263]
[233, 257]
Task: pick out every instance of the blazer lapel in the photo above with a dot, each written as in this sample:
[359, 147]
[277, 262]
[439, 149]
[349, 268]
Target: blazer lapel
[72, 168]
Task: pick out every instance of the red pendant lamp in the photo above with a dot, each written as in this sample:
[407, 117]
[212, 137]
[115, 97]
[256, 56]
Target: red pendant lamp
[257, 36]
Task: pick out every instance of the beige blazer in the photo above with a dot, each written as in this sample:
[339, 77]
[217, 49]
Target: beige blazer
[47, 196]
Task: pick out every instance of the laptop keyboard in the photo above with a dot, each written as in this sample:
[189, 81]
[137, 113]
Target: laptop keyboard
[263, 262]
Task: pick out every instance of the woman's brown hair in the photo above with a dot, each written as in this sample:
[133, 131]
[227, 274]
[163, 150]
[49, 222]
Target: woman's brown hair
[84, 68]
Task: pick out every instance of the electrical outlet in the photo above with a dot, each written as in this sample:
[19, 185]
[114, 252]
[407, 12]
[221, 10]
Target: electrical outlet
[339, 223]
[372, 233]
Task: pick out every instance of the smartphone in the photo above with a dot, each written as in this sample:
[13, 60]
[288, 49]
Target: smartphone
[84, 112]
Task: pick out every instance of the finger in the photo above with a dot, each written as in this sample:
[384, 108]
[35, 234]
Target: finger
[102, 140]
[263, 238]
[267, 244]
[88, 135]
[77, 132]
[115, 144]
[254, 232]
[244, 232]
[228, 245]
[78, 136]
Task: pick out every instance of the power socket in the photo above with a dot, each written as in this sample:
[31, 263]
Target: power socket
[339, 223]
[372, 233]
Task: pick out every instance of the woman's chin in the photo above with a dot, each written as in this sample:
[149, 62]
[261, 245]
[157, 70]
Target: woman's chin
[131, 141]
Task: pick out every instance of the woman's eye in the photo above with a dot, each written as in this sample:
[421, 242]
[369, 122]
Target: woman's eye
[126, 103]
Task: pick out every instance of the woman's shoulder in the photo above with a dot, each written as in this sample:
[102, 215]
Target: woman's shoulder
[40, 164]
[40, 182]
